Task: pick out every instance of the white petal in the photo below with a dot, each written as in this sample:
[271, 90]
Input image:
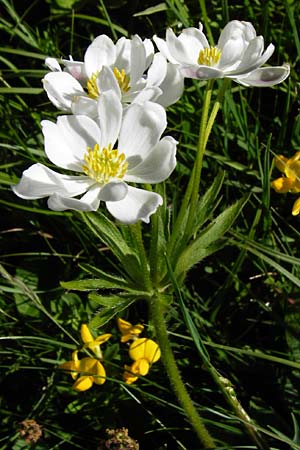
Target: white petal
[52, 64]
[232, 51]
[123, 52]
[61, 89]
[266, 76]
[137, 205]
[237, 30]
[39, 181]
[157, 71]
[109, 117]
[181, 50]
[66, 141]
[252, 59]
[76, 69]
[89, 202]
[100, 53]
[141, 129]
[194, 40]
[172, 86]
[107, 81]
[128, 97]
[86, 106]
[149, 49]
[138, 59]
[113, 191]
[157, 166]
[201, 72]
[146, 94]
[163, 48]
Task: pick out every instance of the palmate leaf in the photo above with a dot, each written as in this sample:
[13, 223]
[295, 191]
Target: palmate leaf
[208, 241]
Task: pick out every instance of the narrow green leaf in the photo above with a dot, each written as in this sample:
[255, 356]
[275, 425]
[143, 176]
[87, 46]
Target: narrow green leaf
[103, 317]
[152, 10]
[26, 54]
[207, 203]
[110, 301]
[295, 280]
[187, 316]
[20, 90]
[88, 285]
[206, 243]
[115, 280]
[107, 232]
[108, 313]
[267, 250]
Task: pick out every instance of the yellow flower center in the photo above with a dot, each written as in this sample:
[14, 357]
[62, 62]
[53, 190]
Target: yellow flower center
[104, 164]
[209, 56]
[91, 86]
[122, 79]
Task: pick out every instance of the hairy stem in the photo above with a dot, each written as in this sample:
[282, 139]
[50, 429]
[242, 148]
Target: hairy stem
[157, 314]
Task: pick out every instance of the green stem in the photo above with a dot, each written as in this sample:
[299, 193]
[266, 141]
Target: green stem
[205, 20]
[145, 270]
[215, 109]
[154, 273]
[204, 133]
[191, 184]
[157, 315]
[202, 140]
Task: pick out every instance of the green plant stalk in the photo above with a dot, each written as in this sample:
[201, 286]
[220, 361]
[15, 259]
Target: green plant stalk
[136, 230]
[153, 248]
[204, 133]
[206, 21]
[202, 140]
[158, 320]
[191, 184]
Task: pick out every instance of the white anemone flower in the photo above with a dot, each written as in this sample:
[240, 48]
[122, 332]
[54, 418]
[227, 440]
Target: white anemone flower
[105, 154]
[122, 67]
[239, 54]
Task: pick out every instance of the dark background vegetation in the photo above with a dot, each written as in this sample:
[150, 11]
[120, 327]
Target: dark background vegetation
[241, 303]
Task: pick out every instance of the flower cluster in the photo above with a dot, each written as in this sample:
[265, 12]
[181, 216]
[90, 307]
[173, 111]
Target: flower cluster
[115, 101]
[143, 351]
[290, 182]
[89, 370]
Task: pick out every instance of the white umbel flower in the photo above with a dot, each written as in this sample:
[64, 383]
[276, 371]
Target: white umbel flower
[105, 154]
[239, 54]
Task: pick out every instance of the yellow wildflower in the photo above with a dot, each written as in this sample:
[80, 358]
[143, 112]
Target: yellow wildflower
[89, 370]
[90, 342]
[144, 353]
[128, 330]
[291, 181]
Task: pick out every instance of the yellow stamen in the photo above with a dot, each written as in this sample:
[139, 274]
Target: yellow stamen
[122, 79]
[91, 86]
[209, 56]
[102, 165]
